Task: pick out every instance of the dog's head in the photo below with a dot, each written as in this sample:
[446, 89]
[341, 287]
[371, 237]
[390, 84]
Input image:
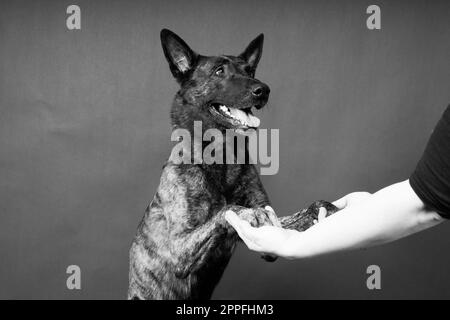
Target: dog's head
[220, 91]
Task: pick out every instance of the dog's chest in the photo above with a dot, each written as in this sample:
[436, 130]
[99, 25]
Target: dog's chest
[192, 194]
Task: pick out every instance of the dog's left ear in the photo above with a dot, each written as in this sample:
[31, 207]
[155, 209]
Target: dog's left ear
[253, 52]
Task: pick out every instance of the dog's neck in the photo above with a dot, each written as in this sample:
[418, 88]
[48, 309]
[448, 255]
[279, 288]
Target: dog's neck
[186, 116]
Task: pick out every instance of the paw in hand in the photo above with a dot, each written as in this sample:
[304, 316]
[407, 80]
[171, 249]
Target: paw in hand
[321, 209]
[258, 217]
[306, 218]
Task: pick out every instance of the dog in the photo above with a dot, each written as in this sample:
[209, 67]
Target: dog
[183, 242]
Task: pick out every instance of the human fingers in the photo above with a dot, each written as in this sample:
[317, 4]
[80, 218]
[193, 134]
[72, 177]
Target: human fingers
[244, 230]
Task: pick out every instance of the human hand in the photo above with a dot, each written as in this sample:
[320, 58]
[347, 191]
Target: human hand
[347, 200]
[266, 239]
[351, 199]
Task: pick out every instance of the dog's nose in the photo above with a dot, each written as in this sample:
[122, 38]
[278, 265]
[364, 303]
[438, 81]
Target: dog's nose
[260, 91]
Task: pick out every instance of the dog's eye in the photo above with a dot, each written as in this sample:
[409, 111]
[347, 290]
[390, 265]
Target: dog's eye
[219, 71]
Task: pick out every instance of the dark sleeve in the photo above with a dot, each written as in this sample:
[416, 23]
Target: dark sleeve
[431, 178]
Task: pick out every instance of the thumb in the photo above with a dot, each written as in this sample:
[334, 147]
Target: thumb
[322, 214]
[341, 203]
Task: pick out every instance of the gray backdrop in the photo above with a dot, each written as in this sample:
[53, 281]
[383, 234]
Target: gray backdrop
[84, 131]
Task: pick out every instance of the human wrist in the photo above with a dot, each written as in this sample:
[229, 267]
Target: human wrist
[293, 247]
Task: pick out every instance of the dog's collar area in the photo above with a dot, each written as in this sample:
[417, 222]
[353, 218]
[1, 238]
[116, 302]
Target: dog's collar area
[241, 118]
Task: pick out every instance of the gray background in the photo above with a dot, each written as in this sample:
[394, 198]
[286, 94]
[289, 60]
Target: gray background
[84, 131]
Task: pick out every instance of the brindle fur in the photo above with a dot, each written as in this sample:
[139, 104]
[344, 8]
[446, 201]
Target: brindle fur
[183, 243]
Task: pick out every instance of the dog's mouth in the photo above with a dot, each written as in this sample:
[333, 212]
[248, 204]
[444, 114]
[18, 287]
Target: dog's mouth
[238, 118]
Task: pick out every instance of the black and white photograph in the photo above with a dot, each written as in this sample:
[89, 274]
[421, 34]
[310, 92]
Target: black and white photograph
[228, 151]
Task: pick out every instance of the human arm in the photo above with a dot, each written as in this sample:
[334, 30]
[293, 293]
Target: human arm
[391, 213]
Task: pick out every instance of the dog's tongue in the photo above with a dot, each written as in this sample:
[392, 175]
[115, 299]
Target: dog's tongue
[245, 118]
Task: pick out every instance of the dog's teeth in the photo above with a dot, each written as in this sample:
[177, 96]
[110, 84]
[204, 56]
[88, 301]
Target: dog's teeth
[225, 110]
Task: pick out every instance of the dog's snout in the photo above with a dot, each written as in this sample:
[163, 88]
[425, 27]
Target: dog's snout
[260, 91]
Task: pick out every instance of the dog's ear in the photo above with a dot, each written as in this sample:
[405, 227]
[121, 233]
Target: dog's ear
[253, 52]
[181, 58]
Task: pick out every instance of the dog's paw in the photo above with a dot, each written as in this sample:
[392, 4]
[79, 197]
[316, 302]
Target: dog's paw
[275, 221]
[314, 208]
[306, 218]
[258, 217]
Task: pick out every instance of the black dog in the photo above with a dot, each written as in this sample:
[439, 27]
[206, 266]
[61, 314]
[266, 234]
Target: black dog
[183, 243]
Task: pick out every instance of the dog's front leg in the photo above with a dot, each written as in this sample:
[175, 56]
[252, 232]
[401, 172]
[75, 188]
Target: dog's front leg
[250, 193]
[193, 245]
[198, 245]
[195, 234]
[304, 219]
